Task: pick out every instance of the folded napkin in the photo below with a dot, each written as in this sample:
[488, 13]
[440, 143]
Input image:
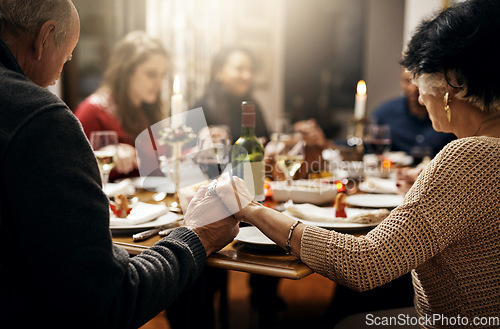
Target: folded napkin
[379, 185]
[141, 212]
[124, 187]
[307, 211]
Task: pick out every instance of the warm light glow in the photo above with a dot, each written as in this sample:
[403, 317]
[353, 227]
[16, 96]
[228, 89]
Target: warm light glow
[177, 85]
[361, 87]
[340, 186]
[386, 164]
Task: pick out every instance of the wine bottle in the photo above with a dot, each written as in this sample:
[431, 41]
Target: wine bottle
[247, 156]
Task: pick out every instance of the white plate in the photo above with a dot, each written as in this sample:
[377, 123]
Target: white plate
[374, 200]
[166, 219]
[124, 187]
[253, 236]
[154, 183]
[337, 225]
[400, 158]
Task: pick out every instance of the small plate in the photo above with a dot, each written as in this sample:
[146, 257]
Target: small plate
[374, 200]
[253, 238]
[124, 187]
[154, 183]
[166, 219]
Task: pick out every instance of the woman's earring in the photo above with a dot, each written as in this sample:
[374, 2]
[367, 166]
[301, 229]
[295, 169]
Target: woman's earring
[447, 105]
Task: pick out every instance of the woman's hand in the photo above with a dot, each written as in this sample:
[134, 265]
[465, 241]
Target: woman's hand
[126, 158]
[235, 196]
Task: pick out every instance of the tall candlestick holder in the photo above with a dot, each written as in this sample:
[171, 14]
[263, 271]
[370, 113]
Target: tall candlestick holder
[176, 138]
[356, 136]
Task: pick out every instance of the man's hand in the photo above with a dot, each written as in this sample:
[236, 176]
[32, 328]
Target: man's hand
[209, 218]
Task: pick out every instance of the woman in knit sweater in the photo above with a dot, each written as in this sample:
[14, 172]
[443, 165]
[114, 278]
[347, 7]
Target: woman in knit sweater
[447, 230]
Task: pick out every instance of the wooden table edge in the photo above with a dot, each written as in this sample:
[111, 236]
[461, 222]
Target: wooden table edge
[217, 260]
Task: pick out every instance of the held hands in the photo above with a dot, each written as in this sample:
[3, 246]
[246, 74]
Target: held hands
[235, 196]
[209, 218]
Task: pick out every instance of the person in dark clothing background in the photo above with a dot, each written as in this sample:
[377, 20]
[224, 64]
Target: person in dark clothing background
[231, 82]
[411, 128]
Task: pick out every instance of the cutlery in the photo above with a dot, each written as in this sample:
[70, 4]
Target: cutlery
[141, 236]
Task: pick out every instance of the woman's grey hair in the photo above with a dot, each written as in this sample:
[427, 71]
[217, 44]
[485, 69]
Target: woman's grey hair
[29, 16]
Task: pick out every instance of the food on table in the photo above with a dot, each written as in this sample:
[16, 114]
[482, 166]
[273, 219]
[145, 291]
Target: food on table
[121, 207]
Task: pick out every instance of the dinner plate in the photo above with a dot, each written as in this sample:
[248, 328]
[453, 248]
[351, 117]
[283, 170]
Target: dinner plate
[374, 200]
[252, 237]
[154, 183]
[336, 225]
[168, 218]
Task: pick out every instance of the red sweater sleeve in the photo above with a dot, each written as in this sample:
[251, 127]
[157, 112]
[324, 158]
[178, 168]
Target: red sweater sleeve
[95, 117]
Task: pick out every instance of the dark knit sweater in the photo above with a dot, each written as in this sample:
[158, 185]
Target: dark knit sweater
[58, 266]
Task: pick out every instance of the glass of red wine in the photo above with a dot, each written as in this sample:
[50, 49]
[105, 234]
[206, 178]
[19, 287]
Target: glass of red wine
[214, 151]
[377, 140]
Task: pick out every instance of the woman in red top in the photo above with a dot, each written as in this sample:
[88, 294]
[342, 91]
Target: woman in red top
[129, 98]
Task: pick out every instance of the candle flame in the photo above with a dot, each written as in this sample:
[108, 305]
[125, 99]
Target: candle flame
[177, 84]
[361, 87]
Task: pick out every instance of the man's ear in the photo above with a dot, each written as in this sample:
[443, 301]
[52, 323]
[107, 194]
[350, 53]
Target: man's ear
[42, 38]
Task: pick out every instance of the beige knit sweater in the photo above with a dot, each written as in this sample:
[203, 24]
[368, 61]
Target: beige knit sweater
[447, 232]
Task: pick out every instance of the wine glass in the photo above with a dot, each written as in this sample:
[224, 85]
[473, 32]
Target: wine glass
[289, 155]
[104, 144]
[214, 151]
[378, 140]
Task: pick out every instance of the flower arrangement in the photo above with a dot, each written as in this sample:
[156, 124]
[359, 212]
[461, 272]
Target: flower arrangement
[182, 134]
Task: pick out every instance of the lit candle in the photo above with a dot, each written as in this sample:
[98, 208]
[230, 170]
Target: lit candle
[360, 104]
[176, 103]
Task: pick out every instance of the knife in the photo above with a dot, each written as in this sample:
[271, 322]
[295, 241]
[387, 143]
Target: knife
[141, 236]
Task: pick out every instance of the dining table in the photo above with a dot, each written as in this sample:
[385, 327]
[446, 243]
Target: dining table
[235, 256]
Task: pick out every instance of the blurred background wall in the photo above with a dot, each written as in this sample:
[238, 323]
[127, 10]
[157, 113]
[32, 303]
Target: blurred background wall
[311, 52]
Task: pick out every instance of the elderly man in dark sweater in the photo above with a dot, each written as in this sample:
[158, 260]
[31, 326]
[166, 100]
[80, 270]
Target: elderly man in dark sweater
[58, 266]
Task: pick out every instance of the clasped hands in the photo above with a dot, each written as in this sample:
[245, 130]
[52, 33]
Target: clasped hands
[215, 211]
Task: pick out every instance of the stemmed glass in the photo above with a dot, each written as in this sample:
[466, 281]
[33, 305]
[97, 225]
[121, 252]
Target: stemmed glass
[289, 157]
[377, 139]
[214, 151]
[105, 144]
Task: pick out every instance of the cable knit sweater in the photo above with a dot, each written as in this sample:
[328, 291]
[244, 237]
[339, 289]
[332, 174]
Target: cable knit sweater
[447, 232]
